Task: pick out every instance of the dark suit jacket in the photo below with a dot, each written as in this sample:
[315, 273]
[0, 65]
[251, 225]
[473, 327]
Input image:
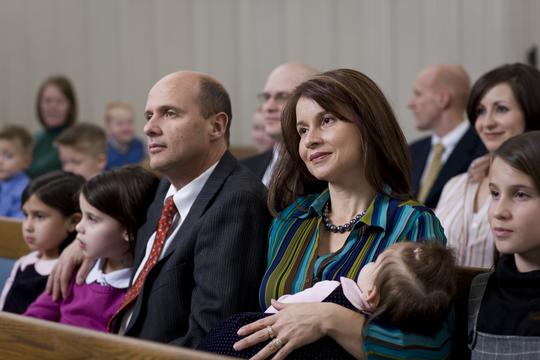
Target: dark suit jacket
[467, 149]
[214, 266]
[258, 163]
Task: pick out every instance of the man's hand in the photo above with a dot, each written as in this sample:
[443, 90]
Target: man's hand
[60, 276]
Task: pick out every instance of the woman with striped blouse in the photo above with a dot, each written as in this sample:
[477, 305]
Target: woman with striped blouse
[504, 102]
[340, 196]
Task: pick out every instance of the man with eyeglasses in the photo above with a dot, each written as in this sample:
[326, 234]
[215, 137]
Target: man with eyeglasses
[279, 85]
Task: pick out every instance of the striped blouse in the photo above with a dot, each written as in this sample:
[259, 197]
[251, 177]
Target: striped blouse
[293, 264]
[468, 233]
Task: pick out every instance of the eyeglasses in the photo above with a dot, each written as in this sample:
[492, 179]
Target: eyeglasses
[279, 97]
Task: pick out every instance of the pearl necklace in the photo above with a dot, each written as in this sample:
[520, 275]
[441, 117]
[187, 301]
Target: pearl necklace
[348, 226]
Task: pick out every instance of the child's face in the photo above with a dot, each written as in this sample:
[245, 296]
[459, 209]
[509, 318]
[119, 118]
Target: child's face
[80, 163]
[12, 158]
[121, 125]
[44, 228]
[513, 212]
[99, 235]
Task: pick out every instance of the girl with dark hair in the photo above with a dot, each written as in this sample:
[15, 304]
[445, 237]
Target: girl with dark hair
[51, 211]
[340, 195]
[511, 291]
[503, 103]
[113, 206]
[410, 285]
[56, 108]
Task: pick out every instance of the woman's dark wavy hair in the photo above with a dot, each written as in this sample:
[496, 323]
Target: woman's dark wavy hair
[343, 92]
[58, 190]
[124, 194]
[63, 84]
[524, 80]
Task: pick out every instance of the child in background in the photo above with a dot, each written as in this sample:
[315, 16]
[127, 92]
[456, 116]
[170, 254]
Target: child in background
[411, 285]
[113, 206]
[15, 157]
[263, 142]
[82, 149]
[504, 304]
[51, 212]
[123, 147]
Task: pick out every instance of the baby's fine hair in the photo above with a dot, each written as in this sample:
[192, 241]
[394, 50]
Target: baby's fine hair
[58, 190]
[416, 287]
[125, 194]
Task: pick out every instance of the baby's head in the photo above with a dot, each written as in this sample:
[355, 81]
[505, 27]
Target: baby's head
[15, 150]
[411, 285]
[83, 149]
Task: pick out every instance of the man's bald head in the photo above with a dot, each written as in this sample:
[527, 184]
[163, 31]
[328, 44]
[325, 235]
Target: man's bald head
[453, 79]
[280, 84]
[440, 91]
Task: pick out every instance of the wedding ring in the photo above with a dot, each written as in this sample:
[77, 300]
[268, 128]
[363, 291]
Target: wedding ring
[276, 344]
[270, 332]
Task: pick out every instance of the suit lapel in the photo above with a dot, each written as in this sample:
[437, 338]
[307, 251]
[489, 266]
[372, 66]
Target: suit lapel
[225, 166]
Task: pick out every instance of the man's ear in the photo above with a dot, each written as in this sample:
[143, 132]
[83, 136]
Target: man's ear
[218, 125]
[444, 99]
[125, 236]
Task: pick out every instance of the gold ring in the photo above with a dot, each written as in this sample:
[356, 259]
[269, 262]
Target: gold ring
[270, 332]
[276, 344]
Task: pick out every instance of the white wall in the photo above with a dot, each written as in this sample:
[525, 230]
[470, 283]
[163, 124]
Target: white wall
[116, 49]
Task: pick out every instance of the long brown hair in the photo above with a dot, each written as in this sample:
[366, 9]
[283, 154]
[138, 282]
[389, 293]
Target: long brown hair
[341, 92]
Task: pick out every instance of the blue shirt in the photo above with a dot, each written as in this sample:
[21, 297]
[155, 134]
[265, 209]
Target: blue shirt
[10, 195]
[135, 154]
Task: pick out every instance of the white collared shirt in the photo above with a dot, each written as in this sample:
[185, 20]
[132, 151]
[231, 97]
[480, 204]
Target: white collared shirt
[183, 200]
[270, 169]
[118, 279]
[449, 142]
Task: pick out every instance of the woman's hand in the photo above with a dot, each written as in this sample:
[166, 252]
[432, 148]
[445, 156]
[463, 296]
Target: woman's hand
[60, 276]
[294, 325]
[479, 168]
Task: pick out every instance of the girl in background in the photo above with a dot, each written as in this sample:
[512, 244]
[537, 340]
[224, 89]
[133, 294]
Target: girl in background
[51, 211]
[113, 206]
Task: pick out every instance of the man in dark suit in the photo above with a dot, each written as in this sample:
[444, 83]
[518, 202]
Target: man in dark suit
[213, 256]
[439, 100]
[279, 85]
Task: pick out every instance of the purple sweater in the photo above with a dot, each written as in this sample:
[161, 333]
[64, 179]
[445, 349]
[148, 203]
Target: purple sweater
[87, 305]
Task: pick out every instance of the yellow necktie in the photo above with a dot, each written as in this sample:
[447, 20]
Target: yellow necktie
[433, 171]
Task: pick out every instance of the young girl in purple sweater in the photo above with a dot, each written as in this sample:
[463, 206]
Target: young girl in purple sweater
[113, 206]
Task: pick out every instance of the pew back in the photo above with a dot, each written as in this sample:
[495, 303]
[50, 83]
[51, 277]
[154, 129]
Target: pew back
[27, 338]
[12, 245]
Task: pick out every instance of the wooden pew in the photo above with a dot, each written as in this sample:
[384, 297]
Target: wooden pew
[27, 338]
[12, 245]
